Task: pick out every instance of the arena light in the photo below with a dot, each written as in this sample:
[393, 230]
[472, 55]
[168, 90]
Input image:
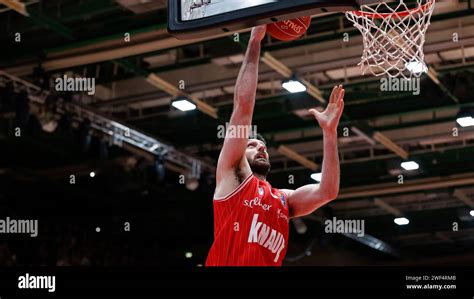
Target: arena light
[92, 174]
[316, 176]
[286, 72]
[416, 67]
[467, 121]
[188, 255]
[401, 221]
[294, 86]
[172, 90]
[472, 213]
[192, 184]
[183, 105]
[300, 226]
[160, 168]
[410, 165]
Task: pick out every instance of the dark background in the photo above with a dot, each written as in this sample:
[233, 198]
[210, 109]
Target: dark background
[166, 219]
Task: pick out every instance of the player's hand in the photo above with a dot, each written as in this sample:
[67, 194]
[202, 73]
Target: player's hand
[329, 119]
[259, 32]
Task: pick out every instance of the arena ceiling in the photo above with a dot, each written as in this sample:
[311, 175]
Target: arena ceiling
[379, 129]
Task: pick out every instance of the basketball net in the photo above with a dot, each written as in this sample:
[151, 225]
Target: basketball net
[393, 37]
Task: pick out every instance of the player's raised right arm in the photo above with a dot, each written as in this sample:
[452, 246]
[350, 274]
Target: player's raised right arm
[233, 150]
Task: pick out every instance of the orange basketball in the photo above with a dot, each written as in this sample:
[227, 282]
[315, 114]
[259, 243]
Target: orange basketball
[289, 29]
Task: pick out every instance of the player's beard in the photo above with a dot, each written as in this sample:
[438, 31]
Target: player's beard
[260, 167]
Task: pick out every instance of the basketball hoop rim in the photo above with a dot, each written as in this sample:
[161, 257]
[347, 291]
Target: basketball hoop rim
[400, 14]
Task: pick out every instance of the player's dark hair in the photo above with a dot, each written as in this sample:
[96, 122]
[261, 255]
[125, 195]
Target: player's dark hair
[258, 137]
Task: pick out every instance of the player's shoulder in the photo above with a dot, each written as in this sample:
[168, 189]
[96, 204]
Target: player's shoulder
[286, 192]
[229, 190]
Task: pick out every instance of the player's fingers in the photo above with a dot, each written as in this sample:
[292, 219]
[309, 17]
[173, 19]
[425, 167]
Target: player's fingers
[339, 90]
[341, 97]
[339, 94]
[340, 110]
[314, 112]
[333, 95]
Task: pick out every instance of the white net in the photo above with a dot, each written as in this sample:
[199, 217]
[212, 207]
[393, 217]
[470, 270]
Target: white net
[393, 37]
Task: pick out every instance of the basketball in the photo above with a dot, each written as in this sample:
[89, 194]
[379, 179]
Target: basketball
[289, 30]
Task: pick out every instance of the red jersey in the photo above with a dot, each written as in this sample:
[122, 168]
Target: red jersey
[250, 226]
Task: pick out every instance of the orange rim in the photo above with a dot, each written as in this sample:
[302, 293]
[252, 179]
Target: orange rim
[400, 14]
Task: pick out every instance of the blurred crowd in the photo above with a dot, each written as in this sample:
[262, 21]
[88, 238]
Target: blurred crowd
[70, 249]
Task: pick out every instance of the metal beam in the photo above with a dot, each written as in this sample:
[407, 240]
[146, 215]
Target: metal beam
[464, 179]
[16, 6]
[374, 243]
[382, 204]
[389, 144]
[459, 194]
[286, 72]
[269, 75]
[53, 65]
[310, 127]
[366, 239]
[121, 133]
[38, 18]
[68, 13]
[167, 87]
[291, 154]
[51, 24]
[451, 152]
[434, 76]
[174, 91]
[363, 135]
[100, 55]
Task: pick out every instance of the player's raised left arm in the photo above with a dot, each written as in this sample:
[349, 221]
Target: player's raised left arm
[307, 199]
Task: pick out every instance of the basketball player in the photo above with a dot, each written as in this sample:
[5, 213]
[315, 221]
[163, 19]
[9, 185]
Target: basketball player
[251, 218]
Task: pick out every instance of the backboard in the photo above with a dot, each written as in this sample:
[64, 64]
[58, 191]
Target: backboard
[188, 19]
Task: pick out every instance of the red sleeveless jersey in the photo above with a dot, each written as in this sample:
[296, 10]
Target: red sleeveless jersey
[250, 226]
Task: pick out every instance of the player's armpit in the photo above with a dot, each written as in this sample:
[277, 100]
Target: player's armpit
[305, 200]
